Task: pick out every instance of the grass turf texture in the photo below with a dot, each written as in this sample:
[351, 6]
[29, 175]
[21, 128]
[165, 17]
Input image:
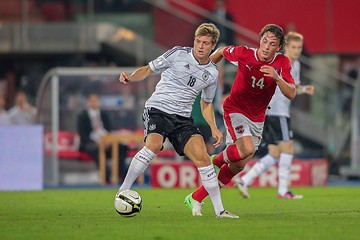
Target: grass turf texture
[324, 213]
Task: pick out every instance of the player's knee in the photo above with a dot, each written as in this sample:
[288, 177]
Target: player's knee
[201, 160]
[286, 147]
[246, 152]
[155, 147]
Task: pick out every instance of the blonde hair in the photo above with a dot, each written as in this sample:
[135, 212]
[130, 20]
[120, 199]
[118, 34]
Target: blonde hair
[293, 36]
[208, 29]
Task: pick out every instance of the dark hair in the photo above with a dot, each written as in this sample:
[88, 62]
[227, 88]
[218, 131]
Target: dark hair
[276, 30]
[90, 94]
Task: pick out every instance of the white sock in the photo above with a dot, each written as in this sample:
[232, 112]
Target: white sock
[261, 166]
[138, 165]
[284, 172]
[210, 182]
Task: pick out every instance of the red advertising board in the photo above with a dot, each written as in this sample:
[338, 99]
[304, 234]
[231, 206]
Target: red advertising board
[173, 174]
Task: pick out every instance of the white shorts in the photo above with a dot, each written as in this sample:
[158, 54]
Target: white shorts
[237, 126]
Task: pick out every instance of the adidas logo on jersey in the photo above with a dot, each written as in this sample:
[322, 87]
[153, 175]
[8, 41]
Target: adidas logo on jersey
[187, 66]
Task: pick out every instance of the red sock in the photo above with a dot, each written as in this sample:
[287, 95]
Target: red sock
[200, 194]
[225, 176]
[219, 160]
[231, 155]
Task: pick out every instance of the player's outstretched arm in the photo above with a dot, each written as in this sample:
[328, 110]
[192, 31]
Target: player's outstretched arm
[305, 89]
[138, 75]
[217, 55]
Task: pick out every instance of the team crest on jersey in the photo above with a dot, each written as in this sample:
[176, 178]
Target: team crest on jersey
[152, 127]
[240, 129]
[205, 75]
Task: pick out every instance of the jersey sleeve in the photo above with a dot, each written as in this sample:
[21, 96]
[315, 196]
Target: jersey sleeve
[286, 71]
[164, 61]
[233, 53]
[208, 93]
[295, 72]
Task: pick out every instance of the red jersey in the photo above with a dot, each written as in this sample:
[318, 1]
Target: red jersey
[251, 91]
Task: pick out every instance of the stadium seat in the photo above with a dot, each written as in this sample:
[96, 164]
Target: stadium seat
[68, 144]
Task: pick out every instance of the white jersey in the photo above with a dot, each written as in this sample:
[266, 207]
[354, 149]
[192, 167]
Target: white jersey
[279, 104]
[182, 79]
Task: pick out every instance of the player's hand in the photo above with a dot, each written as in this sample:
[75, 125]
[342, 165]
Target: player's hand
[269, 72]
[124, 78]
[218, 136]
[309, 89]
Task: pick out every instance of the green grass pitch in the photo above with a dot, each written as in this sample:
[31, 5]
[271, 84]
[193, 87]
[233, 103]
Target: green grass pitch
[324, 213]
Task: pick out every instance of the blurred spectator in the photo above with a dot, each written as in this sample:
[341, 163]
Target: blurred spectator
[218, 16]
[4, 116]
[346, 90]
[92, 124]
[23, 112]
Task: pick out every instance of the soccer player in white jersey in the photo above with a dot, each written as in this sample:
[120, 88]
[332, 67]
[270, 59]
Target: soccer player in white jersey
[185, 72]
[277, 131]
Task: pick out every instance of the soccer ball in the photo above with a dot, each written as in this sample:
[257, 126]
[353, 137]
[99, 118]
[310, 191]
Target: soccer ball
[128, 203]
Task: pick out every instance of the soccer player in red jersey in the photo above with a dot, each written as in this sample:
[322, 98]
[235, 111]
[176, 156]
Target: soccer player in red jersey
[260, 71]
[277, 128]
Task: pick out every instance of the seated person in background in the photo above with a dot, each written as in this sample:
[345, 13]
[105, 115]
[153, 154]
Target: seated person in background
[22, 113]
[4, 116]
[92, 124]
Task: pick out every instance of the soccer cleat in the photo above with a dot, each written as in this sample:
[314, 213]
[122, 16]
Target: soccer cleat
[217, 169]
[193, 205]
[227, 214]
[242, 188]
[290, 195]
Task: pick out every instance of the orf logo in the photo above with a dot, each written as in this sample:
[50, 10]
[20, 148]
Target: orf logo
[240, 129]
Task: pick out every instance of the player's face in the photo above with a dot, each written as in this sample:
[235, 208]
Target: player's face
[269, 45]
[293, 49]
[202, 48]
